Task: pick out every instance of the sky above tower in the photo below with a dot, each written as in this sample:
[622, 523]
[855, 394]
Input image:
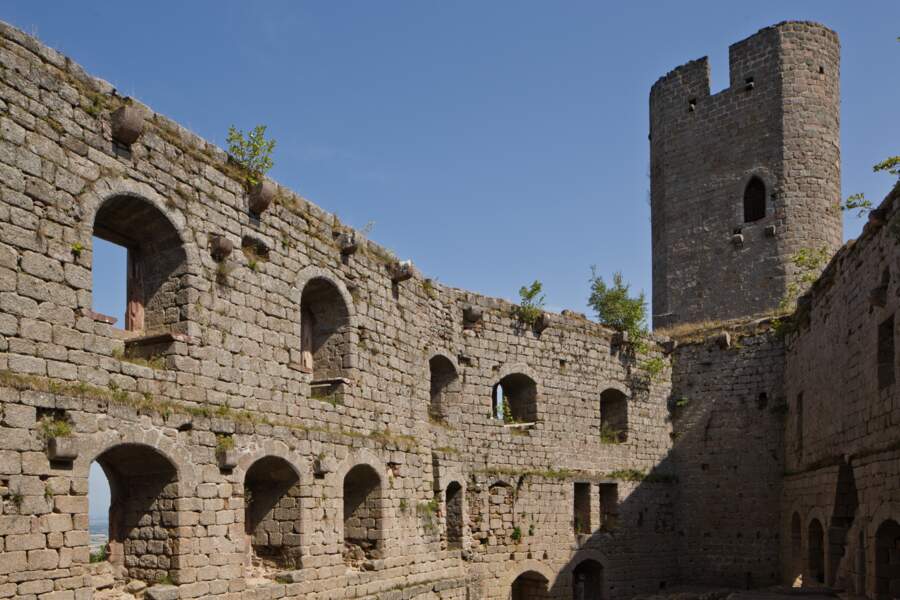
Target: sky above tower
[493, 143]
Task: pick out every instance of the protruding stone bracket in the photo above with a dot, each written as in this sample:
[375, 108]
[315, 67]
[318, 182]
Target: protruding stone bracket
[401, 271]
[127, 124]
[472, 315]
[220, 247]
[227, 458]
[620, 338]
[260, 196]
[61, 448]
[348, 243]
[543, 322]
[323, 465]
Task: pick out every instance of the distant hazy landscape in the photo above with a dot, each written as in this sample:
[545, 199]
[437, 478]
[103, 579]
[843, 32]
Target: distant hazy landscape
[99, 530]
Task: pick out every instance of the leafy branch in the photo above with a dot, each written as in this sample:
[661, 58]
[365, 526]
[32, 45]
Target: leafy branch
[859, 201]
[531, 303]
[616, 308]
[808, 263]
[252, 151]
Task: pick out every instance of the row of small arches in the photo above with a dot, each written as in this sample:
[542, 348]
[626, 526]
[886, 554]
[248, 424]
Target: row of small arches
[810, 565]
[144, 494]
[514, 399]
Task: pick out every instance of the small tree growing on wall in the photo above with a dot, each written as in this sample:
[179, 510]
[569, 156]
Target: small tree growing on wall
[252, 151]
[531, 303]
[616, 308]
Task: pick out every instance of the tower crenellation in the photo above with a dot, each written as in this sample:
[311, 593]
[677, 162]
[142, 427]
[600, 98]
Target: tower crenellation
[743, 179]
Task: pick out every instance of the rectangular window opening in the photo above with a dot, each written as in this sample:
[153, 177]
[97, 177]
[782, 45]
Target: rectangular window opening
[582, 508]
[609, 505]
[109, 272]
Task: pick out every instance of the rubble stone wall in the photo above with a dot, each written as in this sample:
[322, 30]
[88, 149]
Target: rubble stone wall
[841, 374]
[778, 121]
[223, 355]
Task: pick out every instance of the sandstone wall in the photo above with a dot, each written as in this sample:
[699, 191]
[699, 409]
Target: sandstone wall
[227, 361]
[841, 434]
[777, 121]
[728, 410]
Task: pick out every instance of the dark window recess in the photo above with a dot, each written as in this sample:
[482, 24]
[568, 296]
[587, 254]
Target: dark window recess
[886, 354]
[444, 386]
[454, 499]
[613, 416]
[514, 399]
[582, 508]
[754, 200]
[609, 505]
[799, 423]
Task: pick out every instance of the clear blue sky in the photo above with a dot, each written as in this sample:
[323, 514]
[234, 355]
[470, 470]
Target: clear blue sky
[493, 143]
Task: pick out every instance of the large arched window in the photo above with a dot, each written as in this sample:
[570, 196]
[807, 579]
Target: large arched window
[816, 552]
[514, 399]
[324, 330]
[154, 261]
[754, 200]
[613, 416]
[272, 502]
[444, 386]
[587, 581]
[362, 515]
[530, 585]
[887, 560]
[141, 532]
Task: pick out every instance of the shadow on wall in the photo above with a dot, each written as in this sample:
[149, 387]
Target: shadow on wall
[709, 512]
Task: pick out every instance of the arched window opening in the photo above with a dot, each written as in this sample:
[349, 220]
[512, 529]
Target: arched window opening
[887, 561]
[324, 330]
[142, 496]
[530, 585]
[816, 551]
[514, 399]
[154, 261]
[362, 515]
[272, 502]
[444, 386]
[796, 547]
[754, 200]
[587, 581]
[613, 417]
[454, 503]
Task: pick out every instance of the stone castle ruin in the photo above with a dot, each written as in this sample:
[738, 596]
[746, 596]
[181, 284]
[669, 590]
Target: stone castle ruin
[287, 411]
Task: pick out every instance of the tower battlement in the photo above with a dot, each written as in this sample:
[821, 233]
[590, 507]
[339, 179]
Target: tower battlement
[743, 179]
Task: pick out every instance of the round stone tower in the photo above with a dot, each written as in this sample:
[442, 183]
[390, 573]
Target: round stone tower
[742, 180]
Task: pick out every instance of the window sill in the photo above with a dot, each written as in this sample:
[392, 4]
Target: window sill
[520, 425]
